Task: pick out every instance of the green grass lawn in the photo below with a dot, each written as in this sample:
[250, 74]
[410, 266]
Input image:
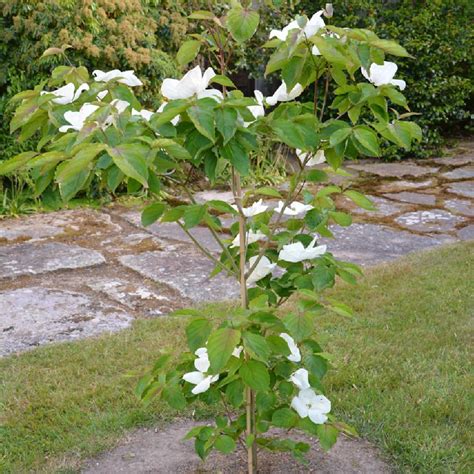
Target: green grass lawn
[402, 375]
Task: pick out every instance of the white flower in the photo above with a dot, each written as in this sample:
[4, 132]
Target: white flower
[202, 381]
[200, 377]
[308, 404]
[144, 114]
[256, 110]
[125, 77]
[283, 33]
[297, 252]
[295, 355]
[282, 94]
[315, 51]
[194, 82]
[300, 379]
[77, 119]
[174, 120]
[294, 209]
[67, 94]
[380, 75]
[237, 351]
[263, 268]
[317, 159]
[251, 237]
[256, 208]
[102, 94]
[313, 25]
[120, 105]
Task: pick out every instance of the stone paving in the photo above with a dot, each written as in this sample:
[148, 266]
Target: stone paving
[77, 273]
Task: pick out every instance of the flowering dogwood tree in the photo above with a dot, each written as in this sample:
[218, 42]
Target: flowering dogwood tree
[262, 362]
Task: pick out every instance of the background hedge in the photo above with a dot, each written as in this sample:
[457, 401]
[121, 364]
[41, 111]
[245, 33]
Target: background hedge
[144, 35]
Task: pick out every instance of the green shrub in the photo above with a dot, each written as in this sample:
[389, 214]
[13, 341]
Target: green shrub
[103, 34]
[439, 34]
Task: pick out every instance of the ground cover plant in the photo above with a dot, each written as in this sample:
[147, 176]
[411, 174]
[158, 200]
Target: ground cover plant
[402, 375]
[265, 365]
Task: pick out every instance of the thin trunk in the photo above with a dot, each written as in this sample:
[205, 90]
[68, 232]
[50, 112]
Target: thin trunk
[249, 393]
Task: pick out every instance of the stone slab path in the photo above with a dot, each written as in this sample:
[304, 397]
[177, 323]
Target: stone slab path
[76, 273]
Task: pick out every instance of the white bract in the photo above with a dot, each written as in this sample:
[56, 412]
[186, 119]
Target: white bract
[193, 83]
[300, 379]
[263, 268]
[125, 77]
[295, 355]
[317, 159]
[256, 110]
[297, 252]
[256, 208]
[282, 94]
[144, 114]
[251, 237]
[67, 94]
[200, 377]
[309, 404]
[293, 209]
[237, 351]
[77, 119]
[380, 75]
[312, 26]
[120, 105]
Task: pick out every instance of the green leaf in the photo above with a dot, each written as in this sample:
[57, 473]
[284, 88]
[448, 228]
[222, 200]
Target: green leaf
[317, 365]
[340, 135]
[267, 191]
[395, 96]
[358, 198]
[284, 418]
[188, 51]
[256, 345]
[236, 154]
[322, 277]
[225, 444]
[391, 47]
[235, 393]
[193, 215]
[278, 345]
[222, 80]
[197, 333]
[220, 345]
[202, 117]
[242, 23]
[341, 218]
[300, 326]
[152, 213]
[368, 139]
[330, 52]
[255, 375]
[221, 206]
[173, 395]
[72, 174]
[170, 111]
[130, 158]
[327, 435]
[226, 122]
[16, 162]
[174, 149]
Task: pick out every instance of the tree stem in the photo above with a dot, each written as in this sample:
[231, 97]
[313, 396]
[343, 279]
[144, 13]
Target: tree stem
[249, 393]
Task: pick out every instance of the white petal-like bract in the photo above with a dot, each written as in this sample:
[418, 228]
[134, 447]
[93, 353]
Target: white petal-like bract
[263, 268]
[282, 94]
[382, 74]
[295, 354]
